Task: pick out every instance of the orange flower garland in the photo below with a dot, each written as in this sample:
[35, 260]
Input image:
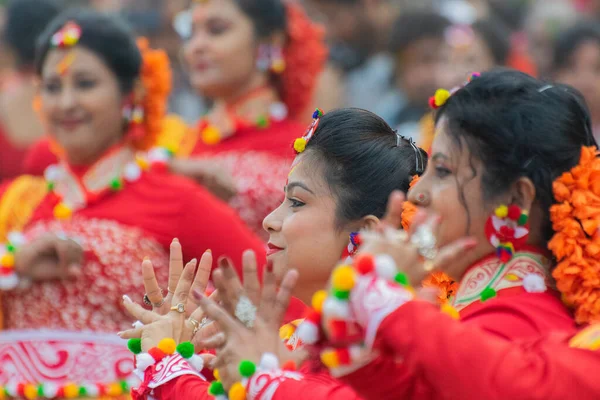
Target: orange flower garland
[446, 285]
[576, 244]
[305, 55]
[156, 79]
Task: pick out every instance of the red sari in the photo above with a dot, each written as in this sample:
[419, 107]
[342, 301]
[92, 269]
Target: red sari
[11, 158]
[64, 331]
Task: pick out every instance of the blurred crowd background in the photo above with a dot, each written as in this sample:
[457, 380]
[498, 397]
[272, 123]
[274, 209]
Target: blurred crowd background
[387, 56]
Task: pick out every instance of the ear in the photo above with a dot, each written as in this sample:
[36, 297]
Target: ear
[523, 193]
[369, 222]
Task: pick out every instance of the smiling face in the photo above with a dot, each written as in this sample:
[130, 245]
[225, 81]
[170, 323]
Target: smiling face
[221, 54]
[302, 231]
[451, 188]
[83, 106]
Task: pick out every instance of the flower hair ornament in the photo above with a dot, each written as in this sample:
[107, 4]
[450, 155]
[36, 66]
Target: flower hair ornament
[576, 244]
[441, 96]
[300, 143]
[66, 38]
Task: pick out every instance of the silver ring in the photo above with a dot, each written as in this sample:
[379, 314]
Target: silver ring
[179, 307]
[150, 303]
[245, 311]
[205, 321]
[425, 241]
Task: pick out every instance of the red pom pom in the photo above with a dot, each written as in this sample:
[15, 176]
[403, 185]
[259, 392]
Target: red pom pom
[337, 330]
[506, 233]
[60, 393]
[514, 212]
[432, 102]
[505, 255]
[343, 356]
[21, 389]
[289, 365]
[101, 389]
[314, 317]
[364, 264]
[157, 353]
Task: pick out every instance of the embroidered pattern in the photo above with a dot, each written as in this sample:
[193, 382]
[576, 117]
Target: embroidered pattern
[170, 368]
[263, 385]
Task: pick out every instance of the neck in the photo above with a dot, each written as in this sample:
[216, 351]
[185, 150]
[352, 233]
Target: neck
[82, 159]
[250, 101]
[304, 292]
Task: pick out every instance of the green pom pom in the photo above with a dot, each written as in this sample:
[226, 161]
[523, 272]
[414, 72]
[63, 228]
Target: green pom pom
[40, 388]
[135, 345]
[10, 248]
[401, 279]
[247, 368]
[262, 122]
[116, 184]
[523, 218]
[185, 349]
[124, 386]
[50, 186]
[216, 388]
[82, 391]
[341, 294]
[487, 294]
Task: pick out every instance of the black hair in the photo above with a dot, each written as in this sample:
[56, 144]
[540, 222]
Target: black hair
[25, 21]
[363, 161]
[105, 35]
[416, 25]
[496, 36]
[268, 16]
[519, 126]
[569, 41]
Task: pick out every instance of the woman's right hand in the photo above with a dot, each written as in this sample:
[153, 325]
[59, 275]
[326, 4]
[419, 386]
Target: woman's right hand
[49, 257]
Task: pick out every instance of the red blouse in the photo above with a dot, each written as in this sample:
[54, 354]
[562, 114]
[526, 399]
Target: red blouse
[11, 158]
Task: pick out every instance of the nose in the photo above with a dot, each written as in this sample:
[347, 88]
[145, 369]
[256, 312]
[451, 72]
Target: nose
[273, 221]
[196, 45]
[67, 99]
[419, 195]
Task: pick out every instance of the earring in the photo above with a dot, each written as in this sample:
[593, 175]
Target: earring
[277, 60]
[355, 242]
[507, 230]
[263, 61]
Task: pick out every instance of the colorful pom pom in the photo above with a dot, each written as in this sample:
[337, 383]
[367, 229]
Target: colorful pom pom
[30, 392]
[451, 311]
[385, 267]
[143, 361]
[167, 345]
[211, 135]
[341, 294]
[237, 391]
[289, 365]
[441, 96]
[364, 263]
[269, 362]
[7, 260]
[114, 389]
[185, 349]
[330, 359]
[501, 211]
[523, 218]
[318, 113]
[62, 211]
[300, 145]
[318, 299]
[308, 332]
[70, 390]
[196, 362]
[135, 345]
[514, 212]
[247, 368]
[487, 294]
[116, 185]
[336, 308]
[343, 278]
[402, 279]
[157, 354]
[216, 388]
[216, 374]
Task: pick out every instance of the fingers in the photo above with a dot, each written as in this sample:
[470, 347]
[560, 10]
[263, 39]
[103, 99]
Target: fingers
[284, 295]
[150, 283]
[139, 312]
[70, 257]
[217, 313]
[228, 284]
[185, 283]
[203, 273]
[214, 342]
[175, 265]
[131, 333]
[250, 275]
[269, 294]
[393, 215]
[419, 219]
[452, 252]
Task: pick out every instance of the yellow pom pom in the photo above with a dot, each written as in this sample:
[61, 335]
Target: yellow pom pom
[216, 374]
[30, 392]
[62, 211]
[501, 212]
[237, 392]
[211, 135]
[300, 145]
[330, 359]
[142, 162]
[70, 40]
[167, 345]
[2, 393]
[441, 96]
[451, 311]
[114, 389]
[318, 299]
[7, 260]
[343, 278]
[71, 390]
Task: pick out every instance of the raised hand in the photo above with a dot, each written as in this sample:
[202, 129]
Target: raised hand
[49, 257]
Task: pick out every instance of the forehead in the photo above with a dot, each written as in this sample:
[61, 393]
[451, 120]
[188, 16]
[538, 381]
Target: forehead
[308, 170]
[82, 60]
[208, 9]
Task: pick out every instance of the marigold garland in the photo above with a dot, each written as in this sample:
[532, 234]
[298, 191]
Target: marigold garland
[446, 285]
[576, 243]
[156, 80]
[305, 54]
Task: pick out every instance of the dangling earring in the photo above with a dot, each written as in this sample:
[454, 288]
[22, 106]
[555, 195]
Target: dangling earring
[355, 242]
[277, 60]
[270, 58]
[263, 61]
[507, 230]
[133, 114]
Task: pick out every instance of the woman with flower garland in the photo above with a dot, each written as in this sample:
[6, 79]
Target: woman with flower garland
[258, 62]
[348, 163]
[105, 199]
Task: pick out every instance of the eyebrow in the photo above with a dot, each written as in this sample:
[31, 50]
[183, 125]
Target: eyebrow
[438, 156]
[293, 185]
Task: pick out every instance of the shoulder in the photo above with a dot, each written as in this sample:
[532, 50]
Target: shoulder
[39, 157]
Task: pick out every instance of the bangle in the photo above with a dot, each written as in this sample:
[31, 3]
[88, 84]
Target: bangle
[8, 276]
[166, 347]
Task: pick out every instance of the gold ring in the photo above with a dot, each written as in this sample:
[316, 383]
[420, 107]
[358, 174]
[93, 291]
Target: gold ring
[180, 308]
[196, 325]
[428, 266]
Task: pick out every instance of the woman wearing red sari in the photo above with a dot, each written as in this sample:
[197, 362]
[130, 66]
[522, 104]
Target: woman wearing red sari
[69, 239]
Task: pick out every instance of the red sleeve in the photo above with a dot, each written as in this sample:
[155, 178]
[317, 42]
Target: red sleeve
[317, 386]
[38, 158]
[461, 361]
[208, 223]
[188, 387]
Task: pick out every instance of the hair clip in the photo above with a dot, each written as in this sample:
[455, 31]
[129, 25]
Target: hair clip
[544, 88]
[67, 36]
[440, 98]
[300, 143]
[420, 166]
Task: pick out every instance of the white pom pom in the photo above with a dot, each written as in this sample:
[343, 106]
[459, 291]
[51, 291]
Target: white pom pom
[269, 362]
[333, 307]
[196, 362]
[17, 239]
[137, 324]
[91, 389]
[133, 381]
[308, 332]
[132, 172]
[278, 111]
[143, 361]
[356, 352]
[9, 282]
[158, 154]
[52, 173]
[11, 389]
[385, 267]
[50, 390]
[534, 283]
